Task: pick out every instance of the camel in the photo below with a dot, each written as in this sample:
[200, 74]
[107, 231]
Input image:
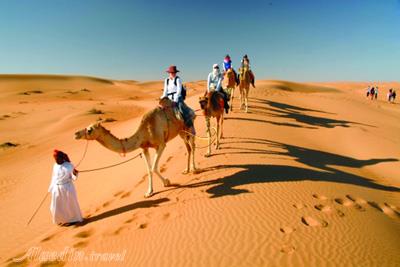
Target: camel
[212, 105]
[246, 77]
[157, 127]
[229, 83]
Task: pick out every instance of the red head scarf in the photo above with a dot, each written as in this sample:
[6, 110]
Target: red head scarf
[58, 153]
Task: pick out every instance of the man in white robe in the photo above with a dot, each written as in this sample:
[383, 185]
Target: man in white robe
[64, 205]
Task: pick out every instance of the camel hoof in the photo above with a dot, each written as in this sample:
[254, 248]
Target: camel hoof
[196, 171]
[185, 171]
[207, 155]
[166, 182]
[148, 194]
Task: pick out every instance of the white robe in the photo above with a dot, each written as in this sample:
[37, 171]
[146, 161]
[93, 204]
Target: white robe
[64, 205]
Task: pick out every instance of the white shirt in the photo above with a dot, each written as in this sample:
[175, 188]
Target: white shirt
[171, 90]
[62, 174]
[214, 82]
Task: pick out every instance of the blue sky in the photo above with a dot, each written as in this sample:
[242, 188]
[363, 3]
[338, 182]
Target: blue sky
[301, 40]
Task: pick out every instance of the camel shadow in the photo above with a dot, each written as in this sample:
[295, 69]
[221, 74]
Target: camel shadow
[290, 112]
[123, 209]
[320, 161]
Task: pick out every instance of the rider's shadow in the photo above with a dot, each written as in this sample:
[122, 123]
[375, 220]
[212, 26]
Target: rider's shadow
[320, 164]
[297, 114]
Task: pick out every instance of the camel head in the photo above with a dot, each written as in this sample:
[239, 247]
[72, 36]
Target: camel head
[89, 133]
[203, 100]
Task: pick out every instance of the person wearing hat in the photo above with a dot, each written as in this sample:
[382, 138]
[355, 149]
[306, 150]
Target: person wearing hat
[214, 81]
[64, 205]
[173, 89]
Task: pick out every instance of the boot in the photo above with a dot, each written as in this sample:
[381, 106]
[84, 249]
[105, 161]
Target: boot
[226, 106]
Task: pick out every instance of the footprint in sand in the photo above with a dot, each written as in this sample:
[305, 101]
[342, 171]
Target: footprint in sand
[389, 210]
[287, 229]
[116, 232]
[320, 197]
[288, 249]
[142, 226]
[84, 234]
[349, 203]
[80, 244]
[127, 194]
[107, 203]
[141, 180]
[118, 193]
[129, 221]
[299, 206]
[48, 238]
[323, 208]
[357, 200]
[328, 209]
[169, 158]
[310, 221]
[394, 208]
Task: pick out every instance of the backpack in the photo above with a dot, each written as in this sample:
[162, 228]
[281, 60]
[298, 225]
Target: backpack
[183, 93]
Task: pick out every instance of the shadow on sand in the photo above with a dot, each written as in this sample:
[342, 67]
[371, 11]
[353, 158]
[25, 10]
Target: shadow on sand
[292, 113]
[323, 161]
[123, 209]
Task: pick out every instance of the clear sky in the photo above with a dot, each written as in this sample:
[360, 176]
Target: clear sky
[301, 40]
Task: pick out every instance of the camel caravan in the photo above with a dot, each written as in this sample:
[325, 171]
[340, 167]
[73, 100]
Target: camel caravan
[172, 117]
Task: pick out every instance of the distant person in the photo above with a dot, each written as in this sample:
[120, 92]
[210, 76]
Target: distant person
[245, 65]
[368, 90]
[64, 205]
[214, 83]
[372, 92]
[376, 92]
[391, 96]
[227, 63]
[174, 90]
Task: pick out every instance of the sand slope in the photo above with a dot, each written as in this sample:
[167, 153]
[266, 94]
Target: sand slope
[310, 176]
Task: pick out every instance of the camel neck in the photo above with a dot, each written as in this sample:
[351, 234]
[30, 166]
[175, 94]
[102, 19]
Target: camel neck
[122, 146]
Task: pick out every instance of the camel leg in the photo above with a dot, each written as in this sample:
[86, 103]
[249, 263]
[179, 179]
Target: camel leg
[232, 96]
[149, 192]
[186, 139]
[193, 147]
[241, 97]
[222, 126]
[155, 168]
[209, 136]
[246, 98]
[218, 131]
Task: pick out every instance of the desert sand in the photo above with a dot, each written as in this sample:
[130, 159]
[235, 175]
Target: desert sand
[309, 177]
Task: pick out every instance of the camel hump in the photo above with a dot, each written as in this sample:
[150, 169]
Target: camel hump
[166, 103]
[217, 100]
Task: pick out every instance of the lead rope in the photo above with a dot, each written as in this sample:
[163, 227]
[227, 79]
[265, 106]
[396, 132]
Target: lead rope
[110, 166]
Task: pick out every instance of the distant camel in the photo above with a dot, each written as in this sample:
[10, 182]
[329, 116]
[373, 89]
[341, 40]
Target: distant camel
[157, 127]
[246, 77]
[213, 106]
[229, 84]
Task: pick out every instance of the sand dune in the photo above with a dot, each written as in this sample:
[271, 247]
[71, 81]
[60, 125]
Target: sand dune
[309, 177]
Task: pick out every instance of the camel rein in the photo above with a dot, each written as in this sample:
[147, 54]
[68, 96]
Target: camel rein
[105, 167]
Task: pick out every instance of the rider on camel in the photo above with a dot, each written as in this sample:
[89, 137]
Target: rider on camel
[214, 81]
[173, 89]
